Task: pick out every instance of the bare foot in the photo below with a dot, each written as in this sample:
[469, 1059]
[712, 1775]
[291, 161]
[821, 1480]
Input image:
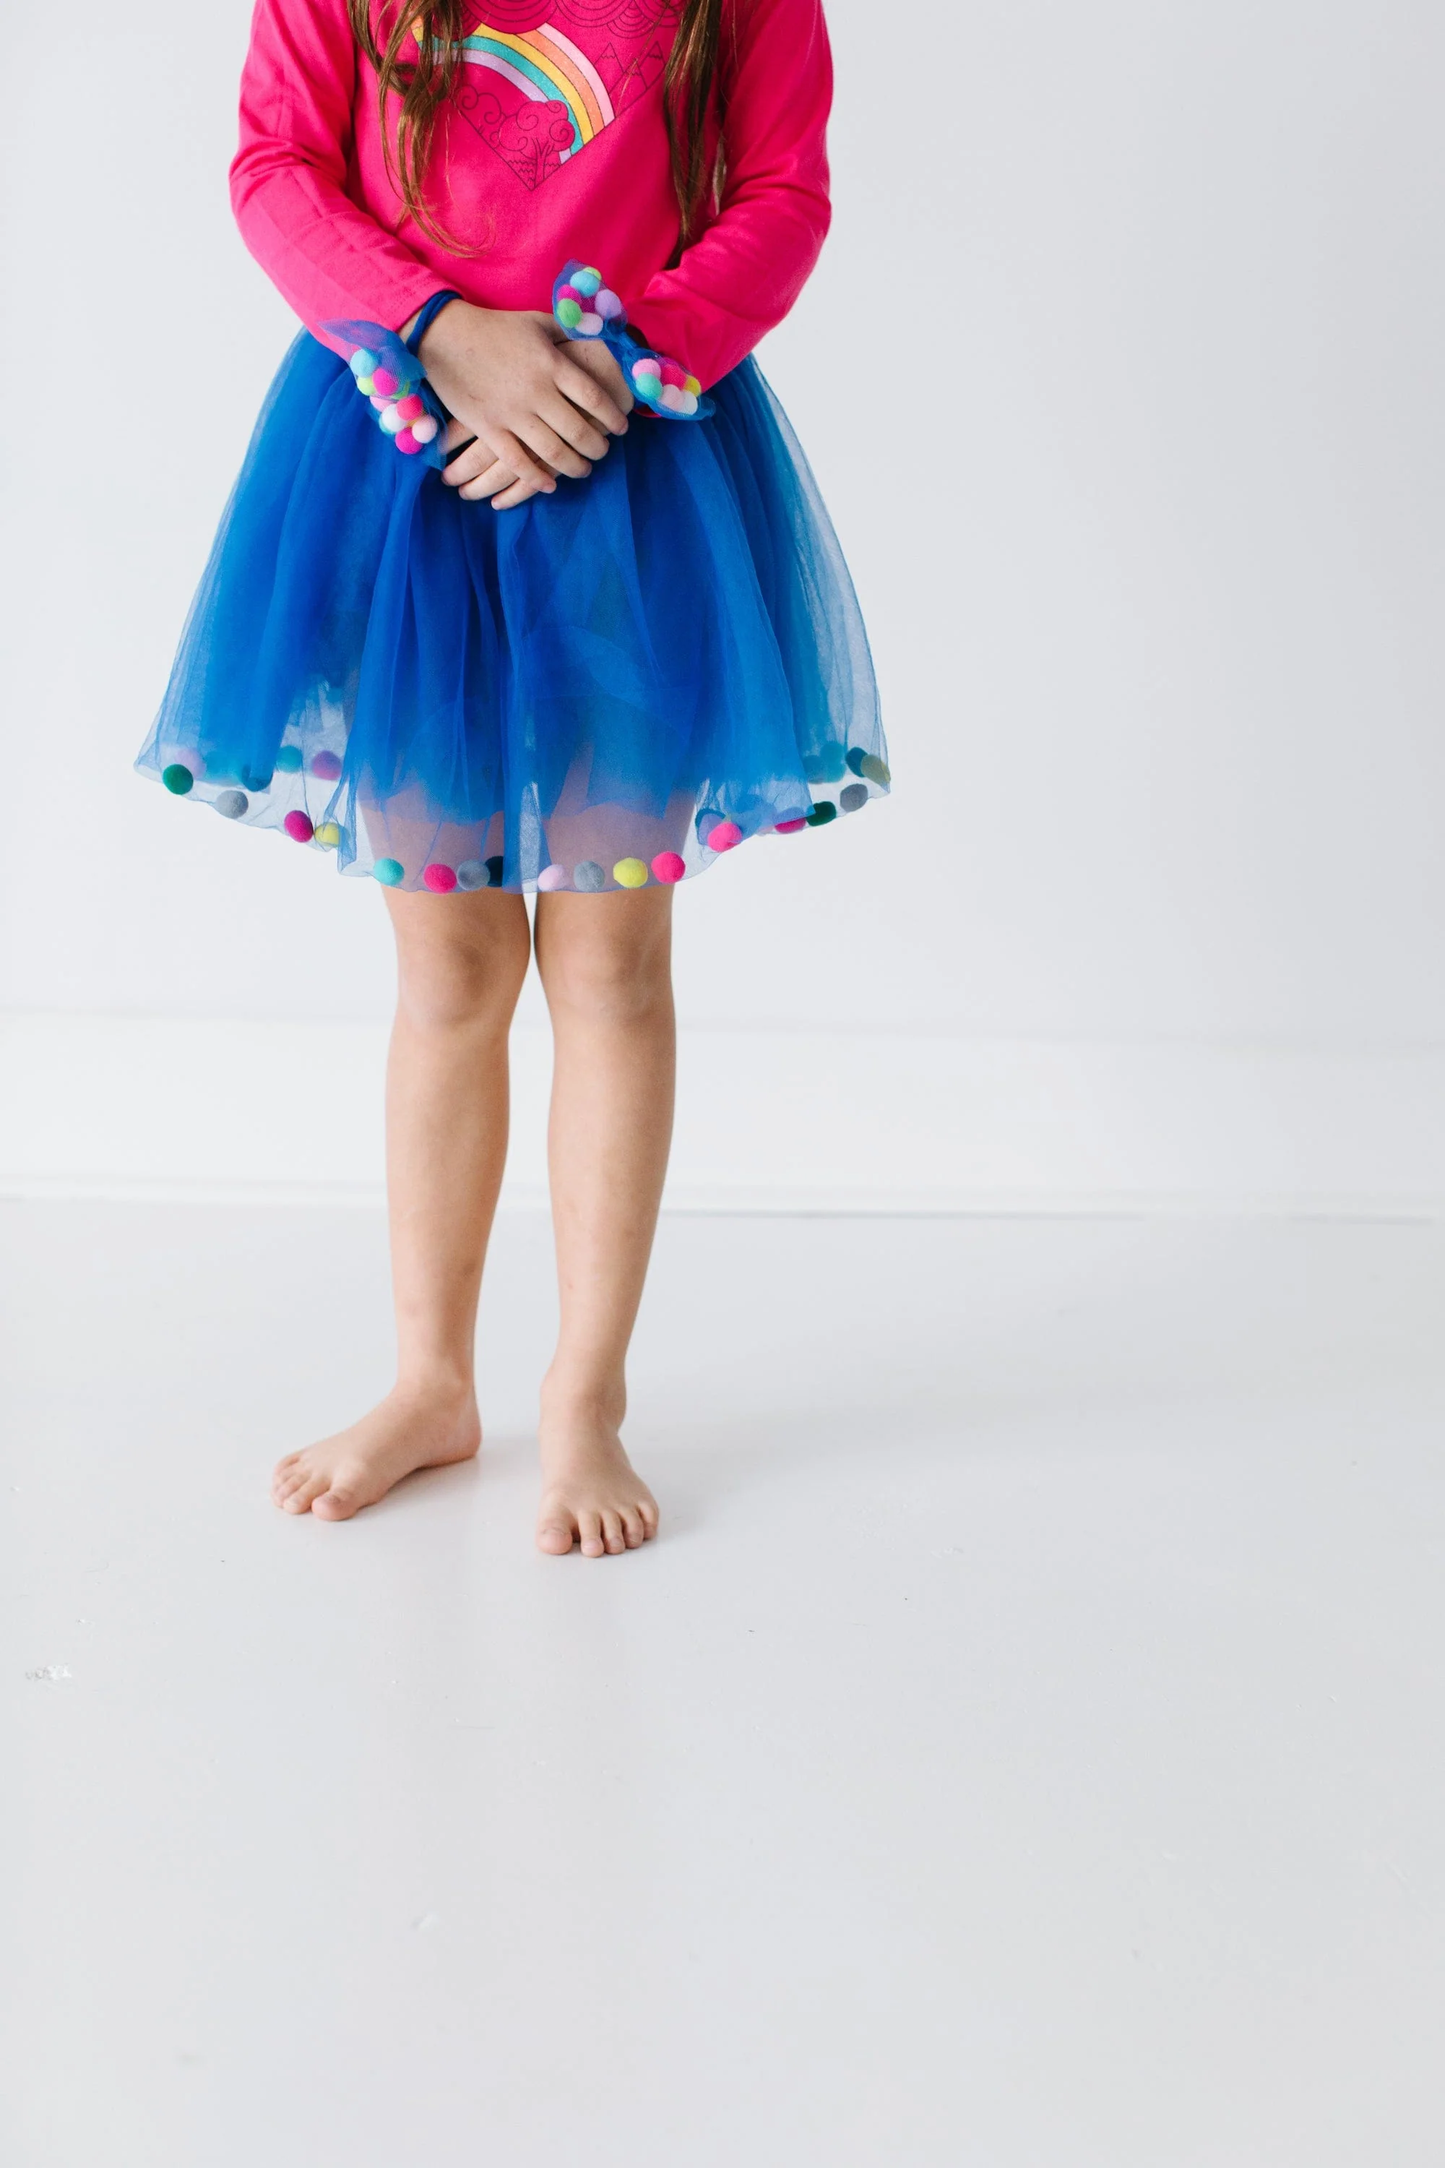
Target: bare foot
[407, 1431]
[591, 1493]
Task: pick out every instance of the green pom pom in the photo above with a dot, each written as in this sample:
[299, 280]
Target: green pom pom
[177, 778]
[569, 313]
[823, 812]
[876, 770]
[389, 871]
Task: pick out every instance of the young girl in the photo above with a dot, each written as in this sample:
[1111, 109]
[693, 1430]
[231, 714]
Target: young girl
[602, 642]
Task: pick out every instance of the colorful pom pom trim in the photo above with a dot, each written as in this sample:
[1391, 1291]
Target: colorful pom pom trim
[587, 309]
[390, 377]
[184, 776]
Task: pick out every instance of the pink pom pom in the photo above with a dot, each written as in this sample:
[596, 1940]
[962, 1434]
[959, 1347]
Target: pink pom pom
[405, 441]
[667, 866]
[790, 828]
[669, 371]
[384, 382]
[570, 293]
[410, 408]
[441, 880]
[379, 403]
[298, 828]
[423, 430]
[326, 767]
[552, 877]
[674, 398]
[724, 837]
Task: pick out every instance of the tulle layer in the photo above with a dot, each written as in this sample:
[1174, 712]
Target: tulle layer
[608, 687]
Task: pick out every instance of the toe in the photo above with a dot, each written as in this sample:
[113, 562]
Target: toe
[336, 1504]
[554, 1534]
[633, 1531]
[298, 1499]
[647, 1513]
[589, 1527]
[612, 1536]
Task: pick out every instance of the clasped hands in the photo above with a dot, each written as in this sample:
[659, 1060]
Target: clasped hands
[527, 402]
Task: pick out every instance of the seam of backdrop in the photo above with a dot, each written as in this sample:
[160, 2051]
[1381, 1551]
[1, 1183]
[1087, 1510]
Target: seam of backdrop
[114, 1106]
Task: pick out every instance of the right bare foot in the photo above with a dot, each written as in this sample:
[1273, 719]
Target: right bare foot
[407, 1431]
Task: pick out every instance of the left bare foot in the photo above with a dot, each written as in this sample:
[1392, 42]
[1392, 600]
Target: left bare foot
[591, 1493]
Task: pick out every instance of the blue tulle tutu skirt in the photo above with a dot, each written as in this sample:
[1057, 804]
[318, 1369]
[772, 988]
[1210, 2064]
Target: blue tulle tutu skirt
[606, 688]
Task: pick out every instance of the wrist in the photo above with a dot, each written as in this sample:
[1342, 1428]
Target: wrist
[440, 321]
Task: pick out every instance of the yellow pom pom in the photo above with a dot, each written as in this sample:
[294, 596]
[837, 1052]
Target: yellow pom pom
[328, 835]
[630, 873]
[693, 386]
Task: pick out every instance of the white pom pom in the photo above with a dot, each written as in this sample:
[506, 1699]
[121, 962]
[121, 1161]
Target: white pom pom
[390, 420]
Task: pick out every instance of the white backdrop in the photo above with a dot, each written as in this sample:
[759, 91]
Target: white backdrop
[1148, 528]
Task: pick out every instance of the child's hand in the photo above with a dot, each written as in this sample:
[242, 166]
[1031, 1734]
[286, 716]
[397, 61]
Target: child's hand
[534, 413]
[601, 365]
[477, 474]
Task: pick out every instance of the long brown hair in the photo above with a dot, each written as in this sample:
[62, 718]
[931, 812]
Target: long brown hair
[417, 54]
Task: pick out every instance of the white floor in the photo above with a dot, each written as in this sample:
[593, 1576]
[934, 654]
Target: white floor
[1022, 1750]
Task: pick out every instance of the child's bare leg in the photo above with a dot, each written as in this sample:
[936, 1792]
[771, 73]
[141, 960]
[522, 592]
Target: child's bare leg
[606, 965]
[461, 961]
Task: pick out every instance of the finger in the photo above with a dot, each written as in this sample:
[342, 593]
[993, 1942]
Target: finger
[575, 428]
[525, 462]
[458, 433]
[584, 391]
[495, 477]
[551, 451]
[508, 500]
[469, 463]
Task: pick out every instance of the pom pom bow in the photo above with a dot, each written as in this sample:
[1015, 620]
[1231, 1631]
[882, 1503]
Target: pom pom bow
[389, 375]
[587, 309]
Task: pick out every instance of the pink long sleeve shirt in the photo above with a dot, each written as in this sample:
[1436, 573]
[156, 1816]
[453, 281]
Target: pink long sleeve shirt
[552, 146]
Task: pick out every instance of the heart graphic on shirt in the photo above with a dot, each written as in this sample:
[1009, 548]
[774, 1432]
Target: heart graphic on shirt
[543, 78]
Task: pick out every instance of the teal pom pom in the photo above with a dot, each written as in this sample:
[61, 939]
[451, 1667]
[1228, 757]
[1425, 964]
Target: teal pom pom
[288, 760]
[177, 778]
[823, 812]
[587, 280]
[389, 871]
[825, 766]
[363, 361]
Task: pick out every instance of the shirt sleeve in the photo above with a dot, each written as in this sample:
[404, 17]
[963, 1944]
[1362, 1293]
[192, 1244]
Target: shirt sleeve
[288, 179]
[744, 273]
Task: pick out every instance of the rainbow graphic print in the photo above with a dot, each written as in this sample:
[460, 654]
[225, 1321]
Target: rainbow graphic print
[536, 96]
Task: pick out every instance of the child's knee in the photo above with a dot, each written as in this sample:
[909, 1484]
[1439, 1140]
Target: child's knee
[605, 965]
[451, 974]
